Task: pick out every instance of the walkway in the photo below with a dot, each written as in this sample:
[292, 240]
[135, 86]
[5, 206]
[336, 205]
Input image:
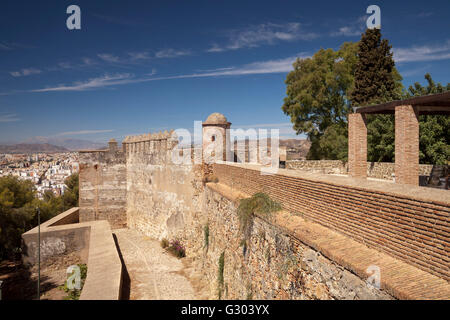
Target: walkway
[151, 273]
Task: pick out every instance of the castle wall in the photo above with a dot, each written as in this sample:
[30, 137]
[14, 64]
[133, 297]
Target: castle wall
[272, 264]
[410, 224]
[102, 187]
[162, 197]
[142, 188]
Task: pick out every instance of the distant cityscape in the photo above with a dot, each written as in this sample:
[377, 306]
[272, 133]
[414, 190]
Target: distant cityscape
[47, 171]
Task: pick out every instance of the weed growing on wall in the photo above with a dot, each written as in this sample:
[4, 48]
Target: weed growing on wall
[176, 248]
[164, 243]
[206, 234]
[220, 278]
[258, 204]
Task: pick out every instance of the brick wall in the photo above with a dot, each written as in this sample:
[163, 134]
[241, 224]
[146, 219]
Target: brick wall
[357, 145]
[406, 227]
[407, 145]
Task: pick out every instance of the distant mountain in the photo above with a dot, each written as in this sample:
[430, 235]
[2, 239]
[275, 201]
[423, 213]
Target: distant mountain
[68, 143]
[31, 148]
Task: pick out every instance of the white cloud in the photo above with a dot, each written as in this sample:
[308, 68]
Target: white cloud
[5, 47]
[171, 53]
[215, 48]
[264, 34]
[261, 67]
[355, 28]
[87, 61]
[25, 72]
[99, 82]
[422, 53]
[138, 55]
[348, 32]
[108, 57]
[65, 65]
[8, 118]
[83, 132]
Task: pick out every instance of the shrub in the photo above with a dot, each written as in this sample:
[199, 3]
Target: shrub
[259, 203]
[210, 178]
[177, 249]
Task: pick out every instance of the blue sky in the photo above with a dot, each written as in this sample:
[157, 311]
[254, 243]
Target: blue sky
[140, 66]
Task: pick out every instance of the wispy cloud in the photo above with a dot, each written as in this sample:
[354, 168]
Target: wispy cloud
[139, 56]
[416, 71]
[99, 82]
[263, 34]
[71, 133]
[422, 53]
[25, 72]
[425, 14]
[261, 67]
[108, 57]
[7, 46]
[171, 53]
[355, 28]
[116, 20]
[9, 118]
[87, 61]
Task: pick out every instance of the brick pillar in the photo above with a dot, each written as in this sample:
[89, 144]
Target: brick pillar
[406, 145]
[357, 145]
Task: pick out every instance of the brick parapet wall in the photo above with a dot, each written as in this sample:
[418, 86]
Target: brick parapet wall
[412, 228]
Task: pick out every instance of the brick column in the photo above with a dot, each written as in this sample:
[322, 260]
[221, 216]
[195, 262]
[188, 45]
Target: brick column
[357, 145]
[406, 145]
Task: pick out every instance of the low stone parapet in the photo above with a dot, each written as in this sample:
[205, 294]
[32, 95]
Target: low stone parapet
[92, 241]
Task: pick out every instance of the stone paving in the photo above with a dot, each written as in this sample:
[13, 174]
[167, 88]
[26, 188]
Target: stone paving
[153, 273]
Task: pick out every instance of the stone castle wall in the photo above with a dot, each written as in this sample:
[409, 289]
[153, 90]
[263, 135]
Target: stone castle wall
[270, 264]
[103, 187]
[162, 197]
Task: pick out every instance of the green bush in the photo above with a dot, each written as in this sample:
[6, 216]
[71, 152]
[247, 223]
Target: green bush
[260, 204]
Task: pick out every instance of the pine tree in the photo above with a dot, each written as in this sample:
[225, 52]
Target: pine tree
[376, 79]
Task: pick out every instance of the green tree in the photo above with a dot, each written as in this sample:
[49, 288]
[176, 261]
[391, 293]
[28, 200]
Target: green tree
[376, 78]
[377, 81]
[434, 129]
[317, 91]
[18, 203]
[70, 196]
